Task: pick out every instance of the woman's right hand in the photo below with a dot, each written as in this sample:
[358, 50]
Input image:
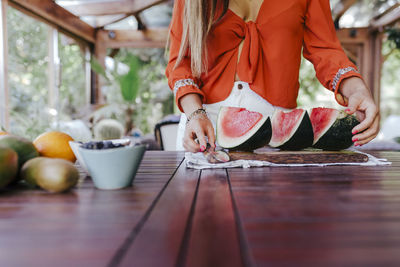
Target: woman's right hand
[199, 126]
[197, 129]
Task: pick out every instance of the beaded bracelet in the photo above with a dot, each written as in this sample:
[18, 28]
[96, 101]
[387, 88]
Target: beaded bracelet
[195, 113]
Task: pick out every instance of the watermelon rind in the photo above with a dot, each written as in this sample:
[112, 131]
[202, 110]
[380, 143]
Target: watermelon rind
[338, 136]
[323, 117]
[257, 137]
[301, 137]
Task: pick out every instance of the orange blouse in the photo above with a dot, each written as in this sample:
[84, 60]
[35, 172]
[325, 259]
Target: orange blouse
[271, 53]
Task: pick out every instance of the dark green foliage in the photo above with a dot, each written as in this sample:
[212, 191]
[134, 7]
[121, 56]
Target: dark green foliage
[129, 82]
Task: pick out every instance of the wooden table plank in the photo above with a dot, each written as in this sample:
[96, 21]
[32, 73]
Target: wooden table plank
[84, 227]
[341, 215]
[159, 241]
[214, 237]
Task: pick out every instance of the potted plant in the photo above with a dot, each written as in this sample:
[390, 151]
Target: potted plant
[128, 82]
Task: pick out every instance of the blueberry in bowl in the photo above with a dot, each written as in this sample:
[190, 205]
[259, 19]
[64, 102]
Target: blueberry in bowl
[108, 144]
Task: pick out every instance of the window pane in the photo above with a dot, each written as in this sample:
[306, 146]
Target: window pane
[73, 87]
[28, 61]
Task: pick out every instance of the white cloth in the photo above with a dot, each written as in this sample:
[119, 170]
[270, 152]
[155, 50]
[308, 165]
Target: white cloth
[198, 161]
[241, 96]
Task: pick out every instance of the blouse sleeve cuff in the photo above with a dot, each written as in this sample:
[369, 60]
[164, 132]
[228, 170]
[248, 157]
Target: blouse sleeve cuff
[185, 87]
[342, 74]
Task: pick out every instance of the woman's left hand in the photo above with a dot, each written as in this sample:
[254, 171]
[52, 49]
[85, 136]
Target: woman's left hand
[361, 103]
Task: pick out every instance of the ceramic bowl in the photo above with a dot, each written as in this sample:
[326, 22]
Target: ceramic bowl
[74, 146]
[113, 168]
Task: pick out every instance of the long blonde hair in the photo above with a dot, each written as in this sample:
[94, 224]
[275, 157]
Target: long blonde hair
[198, 18]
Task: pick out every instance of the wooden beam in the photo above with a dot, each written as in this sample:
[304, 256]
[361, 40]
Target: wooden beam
[388, 10]
[57, 16]
[387, 19]
[377, 62]
[112, 7]
[353, 35]
[141, 25]
[100, 52]
[4, 94]
[138, 39]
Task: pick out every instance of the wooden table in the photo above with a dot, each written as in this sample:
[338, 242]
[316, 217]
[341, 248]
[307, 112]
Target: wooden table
[173, 216]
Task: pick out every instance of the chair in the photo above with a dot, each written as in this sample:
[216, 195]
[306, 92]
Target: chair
[166, 131]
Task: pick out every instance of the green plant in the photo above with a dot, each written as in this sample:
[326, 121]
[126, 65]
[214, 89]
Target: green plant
[129, 84]
[108, 129]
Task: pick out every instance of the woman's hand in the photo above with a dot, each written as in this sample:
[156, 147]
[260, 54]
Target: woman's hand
[198, 128]
[361, 103]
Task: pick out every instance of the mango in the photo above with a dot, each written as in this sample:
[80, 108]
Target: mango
[52, 175]
[8, 166]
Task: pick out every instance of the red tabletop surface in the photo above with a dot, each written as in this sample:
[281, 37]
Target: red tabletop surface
[174, 216]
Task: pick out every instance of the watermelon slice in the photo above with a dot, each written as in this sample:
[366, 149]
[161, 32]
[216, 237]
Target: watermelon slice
[332, 128]
[241, 129]
[291, 130]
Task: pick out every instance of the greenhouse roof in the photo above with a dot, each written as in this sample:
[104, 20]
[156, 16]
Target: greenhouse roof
[134, 14]
[364, 12]
[121, 14]
[144, 23]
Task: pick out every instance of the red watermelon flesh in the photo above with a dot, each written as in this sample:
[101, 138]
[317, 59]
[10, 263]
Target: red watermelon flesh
[241, 129]
[284, 124]
[322, 119]
[239, 121]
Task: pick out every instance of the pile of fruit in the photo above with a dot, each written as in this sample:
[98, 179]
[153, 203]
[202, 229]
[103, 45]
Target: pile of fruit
[47, 162]
[324, 128]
